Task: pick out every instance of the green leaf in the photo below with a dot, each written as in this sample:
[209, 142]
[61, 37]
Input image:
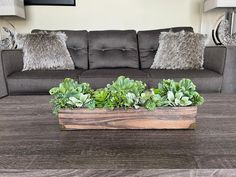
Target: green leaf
[156, 91]
[83, 98]
[151, 106]
[187, 84]
[170, 96]
[179, 95]
[185, 101]
[54, 91]
[75, 102]
[177, 101]
[91, 105]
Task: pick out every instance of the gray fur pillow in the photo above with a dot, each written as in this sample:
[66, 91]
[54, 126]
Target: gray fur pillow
[181, 50]
[45, 51]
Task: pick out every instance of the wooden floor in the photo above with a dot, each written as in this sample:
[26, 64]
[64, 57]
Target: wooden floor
[30, 139]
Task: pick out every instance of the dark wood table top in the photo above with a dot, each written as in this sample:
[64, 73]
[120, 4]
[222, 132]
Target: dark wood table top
[30, 139]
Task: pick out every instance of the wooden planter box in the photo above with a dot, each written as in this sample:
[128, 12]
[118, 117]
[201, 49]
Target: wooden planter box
[161, 118]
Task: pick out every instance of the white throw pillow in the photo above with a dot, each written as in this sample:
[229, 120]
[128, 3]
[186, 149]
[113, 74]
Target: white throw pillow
[180, 50]
[45, 51]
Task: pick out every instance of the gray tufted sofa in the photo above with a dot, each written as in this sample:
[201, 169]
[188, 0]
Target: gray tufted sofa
[101, 56]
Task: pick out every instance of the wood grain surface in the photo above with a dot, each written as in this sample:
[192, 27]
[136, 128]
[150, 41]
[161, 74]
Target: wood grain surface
[30, 138]
[119, 173]
[161, 118]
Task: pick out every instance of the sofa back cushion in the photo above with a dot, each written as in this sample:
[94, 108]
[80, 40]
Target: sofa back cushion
[113, 49]
[77, 44]
[148, 42]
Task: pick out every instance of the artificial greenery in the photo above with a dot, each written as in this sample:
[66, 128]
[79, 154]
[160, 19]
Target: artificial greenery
[125, 93]
[171, 93]
[70, 94]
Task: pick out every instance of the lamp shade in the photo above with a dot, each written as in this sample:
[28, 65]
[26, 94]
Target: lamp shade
[213, 4]
[12, 8]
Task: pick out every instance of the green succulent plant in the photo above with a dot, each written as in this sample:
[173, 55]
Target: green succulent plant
[70, 94]
[101, 97]
[182, 93]
[125, 93]
[151, 101]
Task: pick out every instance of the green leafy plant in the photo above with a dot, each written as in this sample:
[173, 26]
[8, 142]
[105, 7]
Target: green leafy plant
[125, 93]
[101, 97]
[70, 94]
[151, 101]
[182, 93]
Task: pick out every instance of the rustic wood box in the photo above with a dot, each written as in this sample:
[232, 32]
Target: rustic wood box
[161, 118]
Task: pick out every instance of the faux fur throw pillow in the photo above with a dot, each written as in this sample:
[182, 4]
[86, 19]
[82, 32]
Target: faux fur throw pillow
[45, 51]
[181, 50]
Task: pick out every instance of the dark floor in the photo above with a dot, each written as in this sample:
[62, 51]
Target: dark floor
[30, 139]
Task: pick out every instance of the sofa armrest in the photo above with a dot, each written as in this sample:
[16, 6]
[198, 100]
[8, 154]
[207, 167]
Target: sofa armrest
[214, 58]
[229, 76]
[222, 59]
[10, 61]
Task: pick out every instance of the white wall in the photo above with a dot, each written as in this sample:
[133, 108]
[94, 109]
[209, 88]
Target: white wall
[114, 14]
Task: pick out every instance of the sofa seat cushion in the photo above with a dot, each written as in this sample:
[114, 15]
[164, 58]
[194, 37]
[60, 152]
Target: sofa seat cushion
[99, 78]
[205, 80]
[38, 82]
